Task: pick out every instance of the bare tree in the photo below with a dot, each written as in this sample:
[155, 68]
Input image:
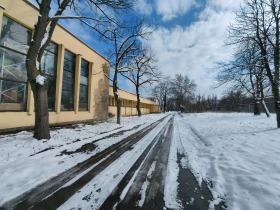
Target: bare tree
[125, 45]
[98, 17]
[245, 71]
[259, 21]
[181, 87]
[162, 93]
[142, 71]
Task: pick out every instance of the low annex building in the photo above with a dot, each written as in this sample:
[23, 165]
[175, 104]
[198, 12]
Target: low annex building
[78, 89]
[128, 104]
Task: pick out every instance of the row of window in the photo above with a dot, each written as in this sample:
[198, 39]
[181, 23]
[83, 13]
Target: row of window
[13, 75]
[127, 103]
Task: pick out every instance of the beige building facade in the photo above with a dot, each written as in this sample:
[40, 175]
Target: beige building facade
[78, 89]
[128, 104]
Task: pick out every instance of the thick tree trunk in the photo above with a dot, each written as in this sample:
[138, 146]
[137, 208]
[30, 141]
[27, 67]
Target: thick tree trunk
[275, 90]
[41, 129]
[164, 104]
[257, 110]
[117, 101]
[138, 103]
[118, 110]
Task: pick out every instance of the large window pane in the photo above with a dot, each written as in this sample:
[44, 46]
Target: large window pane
[12, 65]
[48, 66]
[83, 99]
[48, 63]
[67, 101]
[14, 35]
[12, 92]
[14, 42]
[51, 91]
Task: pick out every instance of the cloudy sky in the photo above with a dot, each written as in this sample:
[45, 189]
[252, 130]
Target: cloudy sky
[189, 38]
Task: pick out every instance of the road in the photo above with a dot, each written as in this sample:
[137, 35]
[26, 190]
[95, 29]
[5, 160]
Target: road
[135, 168]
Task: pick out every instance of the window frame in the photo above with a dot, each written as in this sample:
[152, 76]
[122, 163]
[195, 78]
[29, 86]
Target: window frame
[72, 79]
[86, 69]
[54, 76]
[17, 105]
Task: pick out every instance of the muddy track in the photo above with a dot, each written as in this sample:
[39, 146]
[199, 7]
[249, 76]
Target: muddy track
[145, 179]
[51, 194]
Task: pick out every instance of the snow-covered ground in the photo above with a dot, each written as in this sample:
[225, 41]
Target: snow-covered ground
[21, 169]
[237, 152]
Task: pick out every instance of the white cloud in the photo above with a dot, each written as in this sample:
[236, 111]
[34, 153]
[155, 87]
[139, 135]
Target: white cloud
[192, 50]
[143, 7]
[172, 9]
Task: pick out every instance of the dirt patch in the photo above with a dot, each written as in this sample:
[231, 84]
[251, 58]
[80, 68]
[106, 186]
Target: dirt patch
[44, 150]
[86, 148]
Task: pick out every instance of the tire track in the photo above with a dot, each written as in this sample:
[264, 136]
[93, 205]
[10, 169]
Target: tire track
[51, 194]
[191, 194]
[141, 186]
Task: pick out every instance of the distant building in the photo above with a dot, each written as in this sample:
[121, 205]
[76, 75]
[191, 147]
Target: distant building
[78, 89]
[128, 104]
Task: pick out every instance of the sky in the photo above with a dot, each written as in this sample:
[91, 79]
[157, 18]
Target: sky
[189, 38]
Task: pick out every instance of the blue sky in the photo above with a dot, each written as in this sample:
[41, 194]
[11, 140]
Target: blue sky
[189, 38]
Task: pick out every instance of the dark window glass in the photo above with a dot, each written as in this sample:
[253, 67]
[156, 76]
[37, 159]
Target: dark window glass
[83, 99]
[13, 75]
[48, 67]
[67, 101]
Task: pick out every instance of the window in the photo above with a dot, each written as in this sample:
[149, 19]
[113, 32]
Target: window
[83, 99]
[13, 75]
[67, 100]
[48, 65]
[111, 101]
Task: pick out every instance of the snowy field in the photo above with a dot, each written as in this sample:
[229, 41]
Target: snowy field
[237, 153]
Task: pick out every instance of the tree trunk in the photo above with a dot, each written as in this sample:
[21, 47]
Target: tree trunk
[275, 90]
[41, 128]
[117, 101]
[265, 108]
[262, 100]
[164, 104]
[138, 102]
[257, 110]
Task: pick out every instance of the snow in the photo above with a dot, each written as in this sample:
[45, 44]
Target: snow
[146, 184]
[105, 182]
[237, 152]
[40, 79]
[46, 36]
[22, 170]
